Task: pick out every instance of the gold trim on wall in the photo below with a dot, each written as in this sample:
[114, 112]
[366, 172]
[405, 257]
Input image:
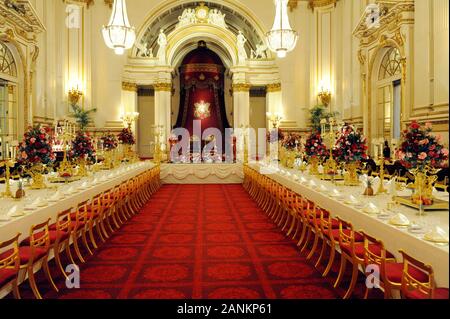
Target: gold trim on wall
[163, 86]
[274, 87]
[128, 86]
[241, 87]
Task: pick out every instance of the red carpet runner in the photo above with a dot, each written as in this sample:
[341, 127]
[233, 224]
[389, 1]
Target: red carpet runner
[197, 241]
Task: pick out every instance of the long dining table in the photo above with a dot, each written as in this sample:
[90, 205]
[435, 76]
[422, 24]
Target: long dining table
[394, 237]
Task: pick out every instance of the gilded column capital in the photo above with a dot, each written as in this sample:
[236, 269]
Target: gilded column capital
[241, 87]
[163, 86]
[274, 87]
[128, 86]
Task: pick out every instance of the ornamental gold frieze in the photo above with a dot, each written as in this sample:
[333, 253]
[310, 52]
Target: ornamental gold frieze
[202, 67]
[241, 87]
[128, 86]
[163, 86]
[274, 87]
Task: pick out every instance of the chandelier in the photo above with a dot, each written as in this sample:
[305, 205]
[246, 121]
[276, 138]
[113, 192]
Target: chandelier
[202, 110]
[118, 34]
[281, 39]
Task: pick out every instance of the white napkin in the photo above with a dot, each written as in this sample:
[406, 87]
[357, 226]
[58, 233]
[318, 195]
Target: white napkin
[376, 183]
[437, 234]
[56, 197]
[371, 208]
[69, 191]
[399, 219]
[363, 179]
[336, 193]
[320, 169]
[13, 212]
[352, 200]
[322, 188]
[84, 185]
[34, 205]
[392, 187]
[312, 184]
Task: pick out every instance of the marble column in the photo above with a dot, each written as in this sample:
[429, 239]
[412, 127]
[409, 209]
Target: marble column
[163, 98]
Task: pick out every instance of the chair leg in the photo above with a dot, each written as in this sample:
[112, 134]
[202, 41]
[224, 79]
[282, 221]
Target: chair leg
[99, 231]
[69, 253]
[85, 242]
[15, 287]
[56, 252]
[302, 235]
[330, 261]
[314, 247]
[341, 271]
[322, 253]
[48, 275]
[308, 237]
[32, 281]
[352, 282]
[91, 235]
[77, 249]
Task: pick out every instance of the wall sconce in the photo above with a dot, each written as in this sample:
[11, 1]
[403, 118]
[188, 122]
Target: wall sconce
[129, 118]
[324, 95]
[74, 95]
[275, 119]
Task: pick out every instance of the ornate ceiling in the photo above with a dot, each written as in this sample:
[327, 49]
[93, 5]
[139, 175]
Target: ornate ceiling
[312, 3]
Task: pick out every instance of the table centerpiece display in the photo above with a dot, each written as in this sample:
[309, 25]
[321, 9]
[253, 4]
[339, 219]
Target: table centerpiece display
[350, 148]
[424, 155]
[35, 152]
[109, 144]
[274, 138]
[290, 145]
[316, 151]
[83, 152]
[127, 139]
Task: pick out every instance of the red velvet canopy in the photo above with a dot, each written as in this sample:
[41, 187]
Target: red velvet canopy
[202, 80]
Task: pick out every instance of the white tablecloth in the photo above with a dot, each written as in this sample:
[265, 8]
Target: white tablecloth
[22, 224]
[202, 173]
[393, 237]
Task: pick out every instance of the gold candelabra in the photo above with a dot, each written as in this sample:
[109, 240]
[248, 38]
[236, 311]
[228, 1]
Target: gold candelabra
[129, 118]
[381, 188]
[275, 119]
[65, 168]
[330, 139]
[159, 133]
[74, 95]
[7, 164]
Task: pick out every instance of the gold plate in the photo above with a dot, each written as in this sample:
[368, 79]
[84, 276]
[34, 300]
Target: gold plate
[330, 177]
[64, 180]
[435, 240]
[438, 204]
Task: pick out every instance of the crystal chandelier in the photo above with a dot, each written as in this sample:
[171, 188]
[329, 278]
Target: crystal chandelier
[281, 39]
[118, 34]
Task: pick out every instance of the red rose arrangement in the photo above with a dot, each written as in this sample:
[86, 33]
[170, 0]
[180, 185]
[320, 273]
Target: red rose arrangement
[314, 146]
[36, 146]
[350, 146]
[109, 141]
[421, 147]
[82, 147]
[126, 137]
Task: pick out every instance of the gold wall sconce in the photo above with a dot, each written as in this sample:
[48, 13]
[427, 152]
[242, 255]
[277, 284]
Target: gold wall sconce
[324, 95]
[74, 96]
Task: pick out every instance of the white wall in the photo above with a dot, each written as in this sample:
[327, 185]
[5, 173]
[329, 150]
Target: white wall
[326, 50]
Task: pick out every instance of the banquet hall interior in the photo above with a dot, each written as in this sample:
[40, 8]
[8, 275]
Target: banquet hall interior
[224, 149]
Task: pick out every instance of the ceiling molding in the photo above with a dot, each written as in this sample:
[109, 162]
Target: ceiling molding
[293, 4]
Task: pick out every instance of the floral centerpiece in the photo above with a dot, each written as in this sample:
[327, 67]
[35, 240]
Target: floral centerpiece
[291, 141]
[109, 142]
[126, 137]
[36, 151]
[350, 148]
[275, 136]
[424, 154]
[316, 150]
[82, 147]
[420, 147]
[36, 147]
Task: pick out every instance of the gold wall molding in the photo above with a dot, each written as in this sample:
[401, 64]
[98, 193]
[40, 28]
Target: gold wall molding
[274, 87]
[128, 86]
[88, 3]
[163, 86]
[293, 4]
[241, 87]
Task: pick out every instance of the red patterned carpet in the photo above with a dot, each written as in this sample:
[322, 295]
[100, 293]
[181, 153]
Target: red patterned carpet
[197, 242]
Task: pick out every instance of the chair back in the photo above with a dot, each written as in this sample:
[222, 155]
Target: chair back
[10, 257]
[410, 284]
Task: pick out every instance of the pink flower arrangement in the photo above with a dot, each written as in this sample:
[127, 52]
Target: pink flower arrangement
[350, 146]
[109, 141]
[314, 146]
[126, 137]
[36, 146]
[420, 147]
[82, 147]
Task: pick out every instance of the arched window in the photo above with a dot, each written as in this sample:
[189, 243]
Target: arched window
[7, 63]
[391, 64]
